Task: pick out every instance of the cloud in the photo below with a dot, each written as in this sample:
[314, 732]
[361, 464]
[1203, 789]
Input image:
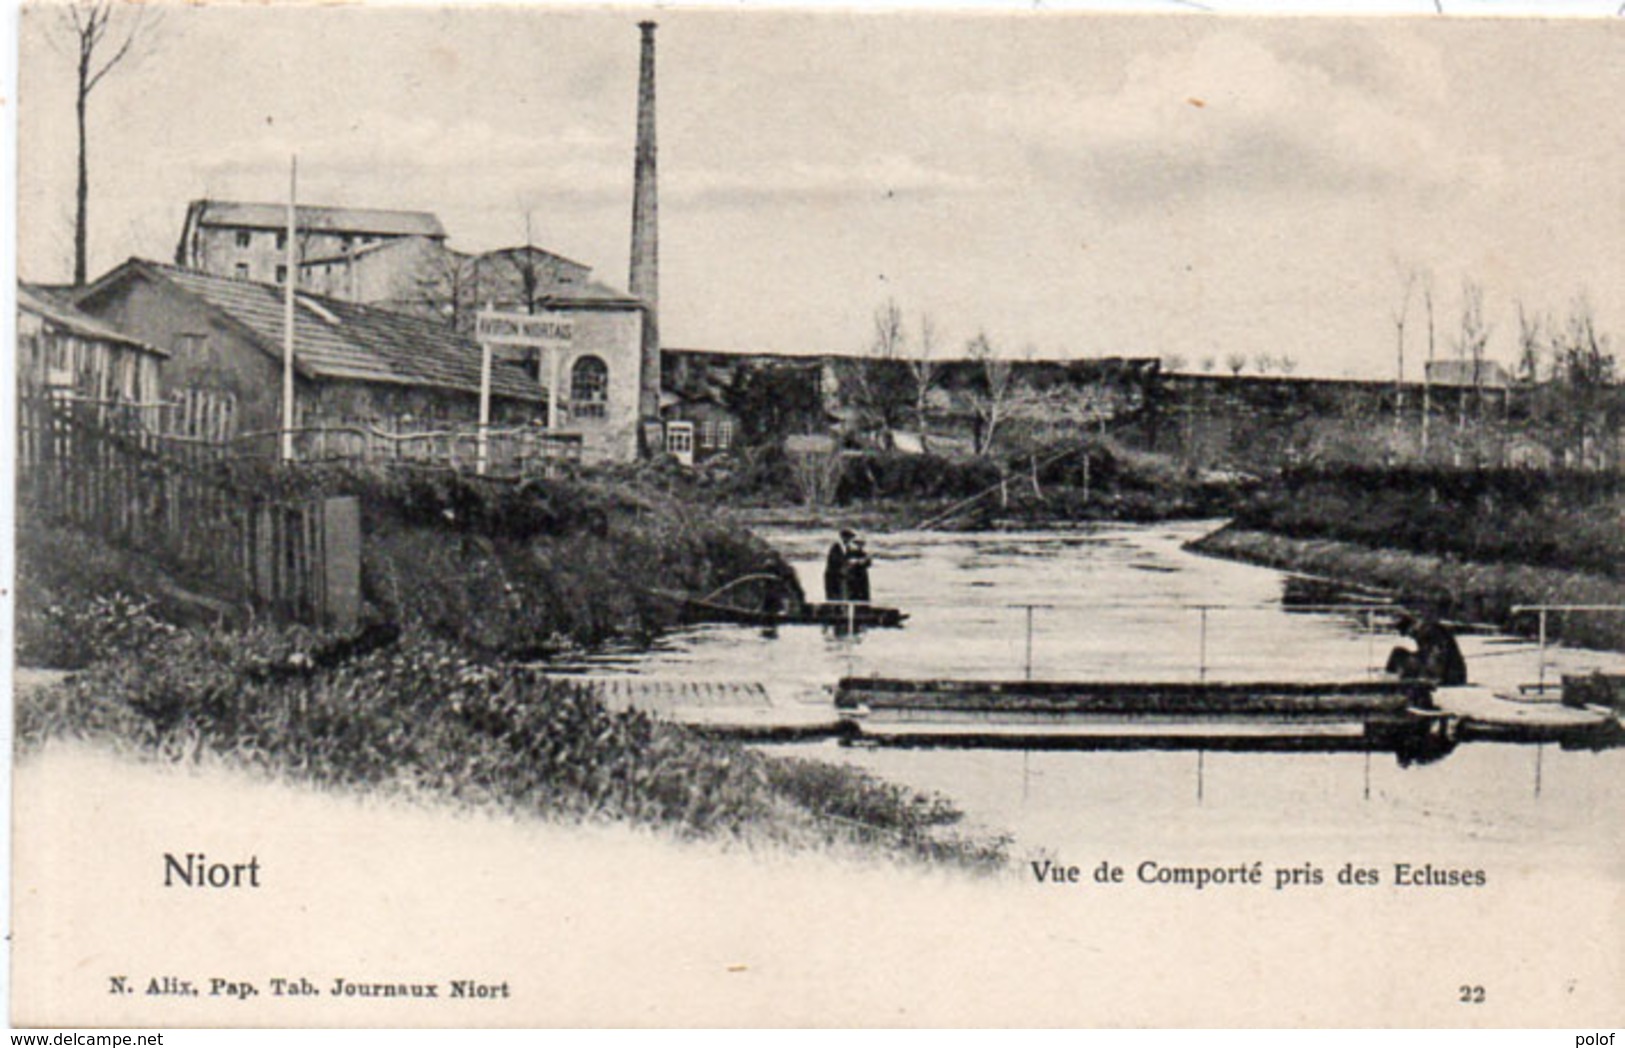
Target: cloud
[803, 181]
[412, 154]
[1232, 116]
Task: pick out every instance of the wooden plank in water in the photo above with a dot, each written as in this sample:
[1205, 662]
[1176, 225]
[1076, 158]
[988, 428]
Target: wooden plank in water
[1140, 698]
[745, 710]
[1487, 715]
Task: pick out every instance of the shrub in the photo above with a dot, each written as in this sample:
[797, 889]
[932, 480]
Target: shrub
[425, 715]
[73, 633]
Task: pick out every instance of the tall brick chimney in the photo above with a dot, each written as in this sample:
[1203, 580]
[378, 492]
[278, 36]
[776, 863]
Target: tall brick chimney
[645, 279]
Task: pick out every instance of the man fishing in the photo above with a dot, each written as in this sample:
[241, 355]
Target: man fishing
[835, 574]
[1437, 657]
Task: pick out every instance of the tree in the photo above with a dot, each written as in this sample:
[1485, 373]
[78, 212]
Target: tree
[106, 28]
[1427, 368]
[1588, 407]
[924, 368]
[993, 397]
[1236, 362]
[1473, 337]
[1287, 363]
[1263, 362]
[1529, 346]
[446, 286]
[886, 384]
[1208, 364]
[1173, 362]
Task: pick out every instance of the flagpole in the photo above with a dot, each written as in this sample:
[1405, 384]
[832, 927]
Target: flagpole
[292, 278]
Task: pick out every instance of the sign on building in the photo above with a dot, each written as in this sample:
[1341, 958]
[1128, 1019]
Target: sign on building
[549, 332]
[536, 330]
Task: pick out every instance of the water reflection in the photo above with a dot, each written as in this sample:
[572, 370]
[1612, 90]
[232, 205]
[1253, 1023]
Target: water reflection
[1128, 603]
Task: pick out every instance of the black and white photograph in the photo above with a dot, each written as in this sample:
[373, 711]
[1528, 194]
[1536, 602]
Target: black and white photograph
[543, 516]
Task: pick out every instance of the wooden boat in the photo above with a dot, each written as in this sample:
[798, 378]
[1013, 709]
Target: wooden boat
[838, 615]
[1268, 715]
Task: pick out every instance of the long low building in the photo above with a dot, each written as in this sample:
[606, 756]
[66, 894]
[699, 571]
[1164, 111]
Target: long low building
[357, 364]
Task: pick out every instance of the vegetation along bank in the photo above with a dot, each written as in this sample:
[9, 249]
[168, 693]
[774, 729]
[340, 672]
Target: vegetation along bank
[469, 589]
[1471, 544]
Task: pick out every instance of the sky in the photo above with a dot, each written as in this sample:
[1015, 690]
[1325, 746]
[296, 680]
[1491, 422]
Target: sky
[1073, 184]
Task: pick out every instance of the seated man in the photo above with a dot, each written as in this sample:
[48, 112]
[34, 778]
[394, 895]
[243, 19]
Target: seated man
[1437, 658]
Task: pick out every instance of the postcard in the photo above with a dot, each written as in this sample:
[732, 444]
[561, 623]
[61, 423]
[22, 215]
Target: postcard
[612, 517]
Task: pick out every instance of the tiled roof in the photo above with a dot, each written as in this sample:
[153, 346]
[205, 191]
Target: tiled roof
[592, 293]
[316, 219]
[41, 303]
[346, 340]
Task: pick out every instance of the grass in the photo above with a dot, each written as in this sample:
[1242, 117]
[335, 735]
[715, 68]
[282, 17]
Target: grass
[1566, 521]
[474, 576]
[1449, 587]
[426, 716]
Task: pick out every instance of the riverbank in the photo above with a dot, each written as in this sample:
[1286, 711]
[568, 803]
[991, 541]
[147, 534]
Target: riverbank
[470, 590]
[1098, 480]
[1453, 588]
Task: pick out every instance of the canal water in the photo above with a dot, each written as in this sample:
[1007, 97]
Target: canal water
[1127, 602]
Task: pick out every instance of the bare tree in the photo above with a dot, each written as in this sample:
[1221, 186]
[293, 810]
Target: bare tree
[1263, 362]
[1287, 363]
[1588, 411]
[890, 334]
[1530, 337]
[993, 398]
[1236, 362]
[446, 286]
[924, 368]
[1208, 364]
[884, 378]
[1399, 316]
[1173, 362]
[1474, 337]
[104, 32]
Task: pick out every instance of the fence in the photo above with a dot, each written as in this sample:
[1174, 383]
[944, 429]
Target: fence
[514, 452]
[98, 468]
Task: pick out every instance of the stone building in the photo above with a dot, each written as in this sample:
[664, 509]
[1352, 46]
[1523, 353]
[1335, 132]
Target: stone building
[424, 277]
[249, 240]
[359, 365]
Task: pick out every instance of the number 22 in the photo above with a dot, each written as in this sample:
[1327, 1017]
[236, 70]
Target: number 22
[1472, 995]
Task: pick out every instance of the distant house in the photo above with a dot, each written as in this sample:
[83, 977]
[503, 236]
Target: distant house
[249, 240]
[425, 278]
[1487, 374]
[61, 349]
[358, 364]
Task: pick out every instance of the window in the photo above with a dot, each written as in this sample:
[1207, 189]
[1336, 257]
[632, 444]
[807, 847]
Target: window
[716, 434]
[282, 240]
[589, 388]
[244, 238]
[242, 271]
[281, 274]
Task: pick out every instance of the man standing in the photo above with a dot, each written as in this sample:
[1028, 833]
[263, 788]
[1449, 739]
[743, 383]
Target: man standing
[857, 572]
[835, 566]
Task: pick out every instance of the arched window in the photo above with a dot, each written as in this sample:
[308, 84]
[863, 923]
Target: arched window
[589, 388]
